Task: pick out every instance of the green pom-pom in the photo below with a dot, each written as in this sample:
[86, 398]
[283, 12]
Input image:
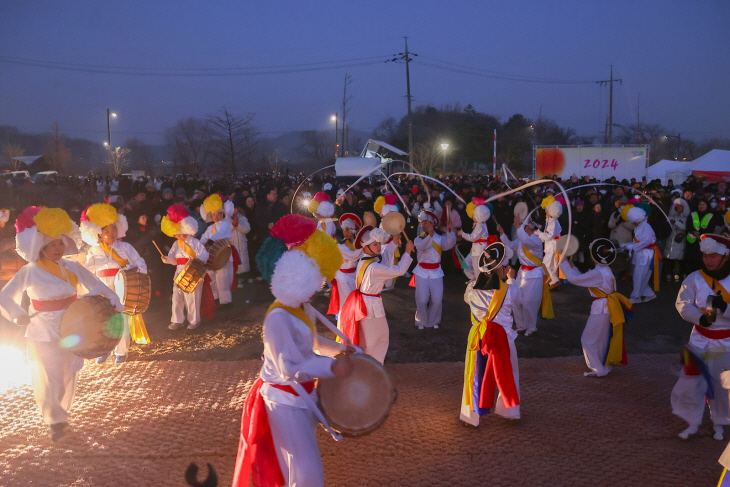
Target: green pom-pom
[644, 206]
[268, 255]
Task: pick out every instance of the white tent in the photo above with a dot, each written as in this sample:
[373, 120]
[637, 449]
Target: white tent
[668, 169]
[713, 166]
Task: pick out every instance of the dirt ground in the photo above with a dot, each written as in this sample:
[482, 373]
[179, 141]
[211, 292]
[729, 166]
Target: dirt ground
[141, 424]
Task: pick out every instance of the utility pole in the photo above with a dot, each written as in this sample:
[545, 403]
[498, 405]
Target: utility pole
[610, 83]
[345, 111]
[406, 56]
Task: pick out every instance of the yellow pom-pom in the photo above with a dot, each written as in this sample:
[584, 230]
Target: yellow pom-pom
[323, 249]
[53, 222]
[550, 199]
[727, 217]
[102, 214]
[169, 227]
[379, 203]
[470, 210]
[625, 212]
[313, 205]
[213, 203]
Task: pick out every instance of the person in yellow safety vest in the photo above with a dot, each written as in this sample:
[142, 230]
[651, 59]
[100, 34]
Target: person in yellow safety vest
[699, 223]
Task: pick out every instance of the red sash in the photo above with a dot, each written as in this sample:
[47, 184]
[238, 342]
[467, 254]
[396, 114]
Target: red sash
[427, 266]
[706, 332]
[498, 372]
[182, 261]
[207, 302]
[351, 313]
[54, 304]
[108, 272]
[256, 450]
[481, 240]
[528, 268]
[335, 295]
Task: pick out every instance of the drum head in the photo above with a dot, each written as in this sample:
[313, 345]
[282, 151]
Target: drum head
[368, 218]
[359, 404]
[394, 223]
[567, 246]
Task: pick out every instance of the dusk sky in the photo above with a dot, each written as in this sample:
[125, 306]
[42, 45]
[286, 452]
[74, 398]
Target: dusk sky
[673, 55]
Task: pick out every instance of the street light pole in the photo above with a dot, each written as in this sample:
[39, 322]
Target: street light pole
[109, 114]
[334, 117]
[444, 146]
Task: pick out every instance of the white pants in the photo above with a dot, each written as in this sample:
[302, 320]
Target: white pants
[429, 301]
[221, 281]
[54, 372]
[642, 273]
[528, 305]
[469, 416]
[375, 337]
[293, 431]
[550, 259]
[345, 285]
[123, 345]
[595, 343]
[688, 395]
[182, 300]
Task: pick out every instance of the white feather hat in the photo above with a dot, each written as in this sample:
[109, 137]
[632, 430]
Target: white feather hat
[296, 278]
[481, 213]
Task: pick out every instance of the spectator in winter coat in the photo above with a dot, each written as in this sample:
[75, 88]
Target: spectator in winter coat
[674, 249]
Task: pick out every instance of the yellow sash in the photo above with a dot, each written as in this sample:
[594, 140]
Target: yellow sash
[349, 245]
[476, 334]
[296, 312]
[363, 268]
[187, 249]
[323, 225]
[214, 230]
[113, 254]
[55, 269]
[716, 286]
[657, 258]
[138, 330]
[616, 304]
[546, 307]
[436, 246]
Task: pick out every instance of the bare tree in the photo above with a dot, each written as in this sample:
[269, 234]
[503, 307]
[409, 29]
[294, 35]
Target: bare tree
[140, 155]
[426, 159]
[316, 145]
[189, 143]
[120, 159]
[10, 152]
[274, 163]
[57, 154]
[386, 129]
[234, 139]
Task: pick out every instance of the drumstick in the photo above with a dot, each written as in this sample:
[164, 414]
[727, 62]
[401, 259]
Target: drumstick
[158, 248]
[406, 236]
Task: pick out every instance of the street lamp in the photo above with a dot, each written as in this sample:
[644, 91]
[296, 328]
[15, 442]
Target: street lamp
[679, 140]
[109, 115]
[334, 119]
[444, 146]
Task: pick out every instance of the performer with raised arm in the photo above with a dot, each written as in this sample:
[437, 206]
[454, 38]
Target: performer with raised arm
[362, 318]
[382, 206]
[43, 237]
[533, 281]
[214, 209]
[491, 356]
[645, 253]
[480, 212]
[708, 352]
[603, 336]
[179, 224]
[101, 228]
[322, 208]
[344, 281]
[551, 234]
[278, 445]
[428, 277]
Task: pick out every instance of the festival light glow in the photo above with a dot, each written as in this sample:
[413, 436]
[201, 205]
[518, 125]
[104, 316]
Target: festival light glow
[14, 370]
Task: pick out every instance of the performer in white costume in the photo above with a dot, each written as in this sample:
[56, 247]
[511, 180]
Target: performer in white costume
[491, 356]
[344, 281]
[708, 352]
[602, 339]
[362, 318]
[532, 278]
[278, 444]
[382, 206]
[551, 234]
[52, 284]
[645, 256]
[480, 213]
[179, 224]
[428, 276]
[101, 228]
[322, 208]
[213, 209]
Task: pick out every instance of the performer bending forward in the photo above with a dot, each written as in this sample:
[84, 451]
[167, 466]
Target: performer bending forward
[491, 356]
[363, 315]
[52, 284]
[278, 444]
[603, 336]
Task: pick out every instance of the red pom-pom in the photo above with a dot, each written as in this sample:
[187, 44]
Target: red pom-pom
[84, 216]
[560, 200]
[391, 199]
[321, 196]
[478, 201]
[293, 229]
[491, 239]
[177, 213]
[25, 219]
[414, 190]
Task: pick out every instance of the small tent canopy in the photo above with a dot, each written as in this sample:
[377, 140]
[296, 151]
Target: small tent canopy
[713, 166]
[662, 170]
[376, 148]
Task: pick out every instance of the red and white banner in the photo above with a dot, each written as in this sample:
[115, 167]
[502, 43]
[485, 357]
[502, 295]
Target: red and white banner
[597, 162]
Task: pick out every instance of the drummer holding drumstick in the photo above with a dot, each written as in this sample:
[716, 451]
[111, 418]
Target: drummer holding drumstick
[51, 283]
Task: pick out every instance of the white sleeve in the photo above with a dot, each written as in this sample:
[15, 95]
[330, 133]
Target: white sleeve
[93, 284]
[449, 240]
[387, 272]
[135, 260]
[685, 303]
[513, 244]
[478, 232]
[592, 278]
[350, 254]
[326, 347]
[243, 225]
[11, 294]
[423, 244]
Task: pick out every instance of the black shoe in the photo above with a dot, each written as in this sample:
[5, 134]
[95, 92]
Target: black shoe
[58, 431]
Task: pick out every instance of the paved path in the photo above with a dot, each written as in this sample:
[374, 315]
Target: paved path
[142, 423]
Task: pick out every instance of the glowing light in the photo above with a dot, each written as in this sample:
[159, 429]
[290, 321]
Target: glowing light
[70, 341]
[114, 114]
[305, 203]
[14, 370]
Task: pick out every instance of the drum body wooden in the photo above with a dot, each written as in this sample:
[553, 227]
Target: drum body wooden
[219, 254]
[89, 327]
[134, 289]
[359, 404]
[368, 218]
[191, 275]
